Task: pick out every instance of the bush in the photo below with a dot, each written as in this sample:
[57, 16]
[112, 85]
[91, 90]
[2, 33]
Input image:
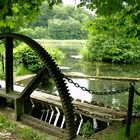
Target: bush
[36, 33]
[21, 70]
[23, 55]
[115, 38]
[117, 49]
[87, 129]
[66, 29]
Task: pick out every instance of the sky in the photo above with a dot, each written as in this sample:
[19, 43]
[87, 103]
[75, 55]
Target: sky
[74, 2]
[71, 2]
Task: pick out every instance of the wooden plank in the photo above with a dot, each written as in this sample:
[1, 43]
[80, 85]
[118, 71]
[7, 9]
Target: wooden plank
[11, 95]
[97, 112]
[46, 127]
[99, 108]
[56, 100]
[100, 113]
[41, 125]
[101, 77]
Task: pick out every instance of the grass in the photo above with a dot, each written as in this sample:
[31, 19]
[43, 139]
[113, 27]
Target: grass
[21, 71]
[62, 43]
[119, 134]
[10, 130]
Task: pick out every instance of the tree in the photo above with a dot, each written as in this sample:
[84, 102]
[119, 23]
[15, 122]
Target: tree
[12, 7]
[61, 22]
[107, 7]
[17, 13]
[43, 16]
[60, 12]
[115, 38]
[66, 29]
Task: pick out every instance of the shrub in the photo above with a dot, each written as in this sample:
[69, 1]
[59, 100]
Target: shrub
[112, 49]
[87, 129]
[66, 29]
[23, 55]
[36, 33]
[115, 38]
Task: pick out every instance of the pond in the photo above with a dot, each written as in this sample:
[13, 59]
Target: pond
[73, 63]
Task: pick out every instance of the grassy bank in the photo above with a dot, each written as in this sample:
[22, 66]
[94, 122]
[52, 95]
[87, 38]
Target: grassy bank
[15, 131]
[62, 43]
[119, 133]
[20, 51]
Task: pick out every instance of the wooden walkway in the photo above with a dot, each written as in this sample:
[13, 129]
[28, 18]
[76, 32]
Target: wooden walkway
[93, 111]
[86, 109]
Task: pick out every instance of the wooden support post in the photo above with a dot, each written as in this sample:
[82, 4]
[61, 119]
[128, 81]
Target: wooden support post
[130, 109]
[9, 64]
[34, 82]
[19, 108]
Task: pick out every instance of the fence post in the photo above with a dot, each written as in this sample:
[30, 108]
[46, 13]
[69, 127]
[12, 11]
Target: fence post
[130, 109]
[9, 64]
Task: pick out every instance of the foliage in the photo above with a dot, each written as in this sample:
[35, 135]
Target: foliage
[17, 13]
[26, 57]
[62, 43]
[28, 133]
[115, 38]
[35, 32]
[20, 70]
[60, 12]
[13, 15]
[6, 125]
[65, 29]
[87, 129]
[61, 22]
[107, 7]
[2, 56]
[2, 48]
[11, 130]
[119, 133]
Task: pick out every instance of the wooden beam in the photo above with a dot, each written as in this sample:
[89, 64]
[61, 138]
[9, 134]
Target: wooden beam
[97, 112]
[9, 64]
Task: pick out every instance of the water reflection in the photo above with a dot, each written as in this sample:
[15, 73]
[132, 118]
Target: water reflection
[104, 69]
[73, 63]
[107, 86]
[77, 93]
[118, 100]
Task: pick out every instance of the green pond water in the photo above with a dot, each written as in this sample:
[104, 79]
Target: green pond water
[73, 63]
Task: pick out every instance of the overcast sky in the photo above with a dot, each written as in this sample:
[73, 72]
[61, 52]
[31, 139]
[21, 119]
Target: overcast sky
[71, 2]
[74, 2]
